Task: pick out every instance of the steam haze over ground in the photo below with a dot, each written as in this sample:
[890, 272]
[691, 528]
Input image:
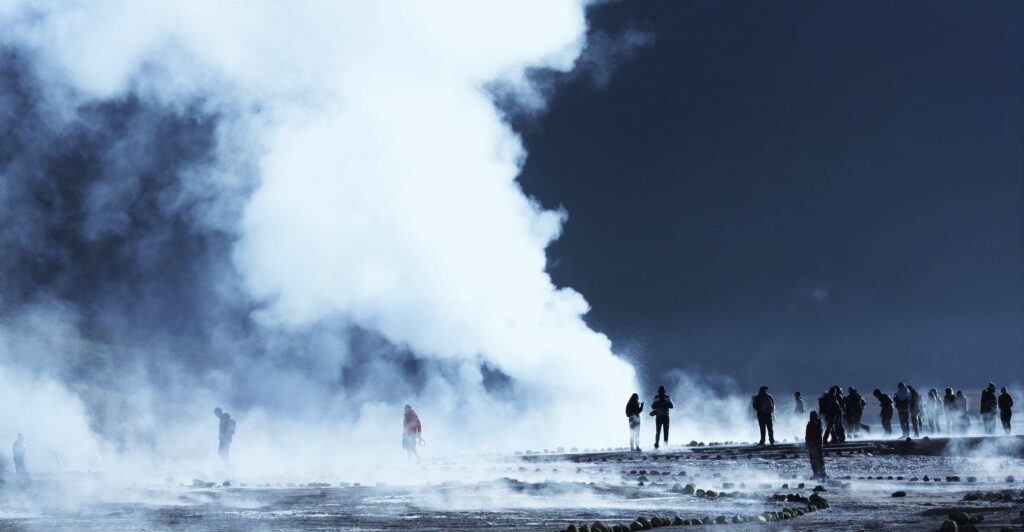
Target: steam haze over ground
[313, 213]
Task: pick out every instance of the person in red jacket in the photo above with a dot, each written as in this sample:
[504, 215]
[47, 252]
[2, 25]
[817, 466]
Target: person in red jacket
[812, 438]
[412, 432]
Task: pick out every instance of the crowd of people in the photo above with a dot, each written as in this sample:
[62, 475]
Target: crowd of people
[840, 414]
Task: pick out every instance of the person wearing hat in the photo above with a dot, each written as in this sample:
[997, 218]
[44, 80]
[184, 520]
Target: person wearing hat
[988, 408]
[764, 405]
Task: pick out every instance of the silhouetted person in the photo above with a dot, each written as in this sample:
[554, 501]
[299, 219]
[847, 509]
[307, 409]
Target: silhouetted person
[659, 409]
[18, 450]
[854, 410]
[798, 406]
[915, 411]
[949, 408]
[989, 405]
[633, 409]
[902, 400]
[1005, 409]
[932, 410]
[829, 405]
[813, 440]
[840, 426]
[885, 403]
[412, 432]
[962, 412]
[764, 405]
[226, 433]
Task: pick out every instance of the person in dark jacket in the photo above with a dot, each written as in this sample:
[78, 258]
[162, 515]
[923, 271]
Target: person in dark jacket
[915, 411]
[854, 410]
[885, 403]
[813, 440]
[798, 404]
[989, 404]
[633, 409]
[659, 409]
[764, 405]
[226, 433]
[831, 406]
[949, 409]
[962, 412]
[902, 400]
[1005, 409]
[412, 432]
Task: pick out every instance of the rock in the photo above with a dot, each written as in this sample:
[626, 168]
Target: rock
[785, 486]
[689, 489]
[711, 493]
[972, 479]
[818, 501]
[899, 494]
[198, 483]
[706, 520]
[819, 488]
[635, 525]
[676, 521]
[949, 526]
[728, 485]
[925, 478]
[800, 485]
[1010, 479]
[597, 526]
[656, 522]
[721, 520]
[960, 518]
[226, 484]
[968, 528]
[570, 528]
[644, 523]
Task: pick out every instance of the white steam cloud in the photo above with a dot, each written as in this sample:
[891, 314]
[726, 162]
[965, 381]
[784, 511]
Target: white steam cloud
[385, 177]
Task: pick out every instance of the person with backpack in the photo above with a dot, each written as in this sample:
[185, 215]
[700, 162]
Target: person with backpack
[633, 409]
[902, 400]
[764, 405]
[659, 409]
[226, 433]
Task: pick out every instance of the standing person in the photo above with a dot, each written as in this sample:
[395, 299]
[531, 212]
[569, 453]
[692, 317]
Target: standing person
[989, 404]
[885, 403]
[902, 400]
[226, 433]
[1005, 408]
[659, 409]
[833, 416]
[932, 408]
[962, 412]
[915, 411]
[764, 405]
[633, 409]
[813, 440]
[798, 404]
[18, 450]
[949, 409]
[412, 432]
[854, 410]
[840, 413]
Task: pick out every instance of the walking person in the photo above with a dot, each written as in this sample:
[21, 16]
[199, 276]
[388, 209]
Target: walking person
[815, 451]
[412, 433]
[989, 405]
[764, 405]
[885, 403]
[633, 409]
[915, 411]
[659, 409]
[831, 407]
[1005, 409]
[902, 400]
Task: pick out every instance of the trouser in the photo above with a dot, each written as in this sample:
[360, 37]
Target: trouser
[832, 428]
[887, 421]
[915, 421]
[817, 457]
[905, 422]
[660, 422]
[224, 449]
[988, 420]
[1005, 416]
[764, 422]
[634, 432]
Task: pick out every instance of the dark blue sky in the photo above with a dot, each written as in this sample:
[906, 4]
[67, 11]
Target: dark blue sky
[800, 193]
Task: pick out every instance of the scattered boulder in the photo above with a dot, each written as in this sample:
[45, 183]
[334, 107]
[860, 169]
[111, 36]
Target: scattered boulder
[198, 483]
[960, 518]
[899, 494]
[949, 526]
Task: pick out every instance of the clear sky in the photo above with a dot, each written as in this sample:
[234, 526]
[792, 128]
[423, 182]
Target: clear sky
[797, 193]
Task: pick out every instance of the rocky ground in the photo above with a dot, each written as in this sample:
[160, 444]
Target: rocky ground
[874, 485]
